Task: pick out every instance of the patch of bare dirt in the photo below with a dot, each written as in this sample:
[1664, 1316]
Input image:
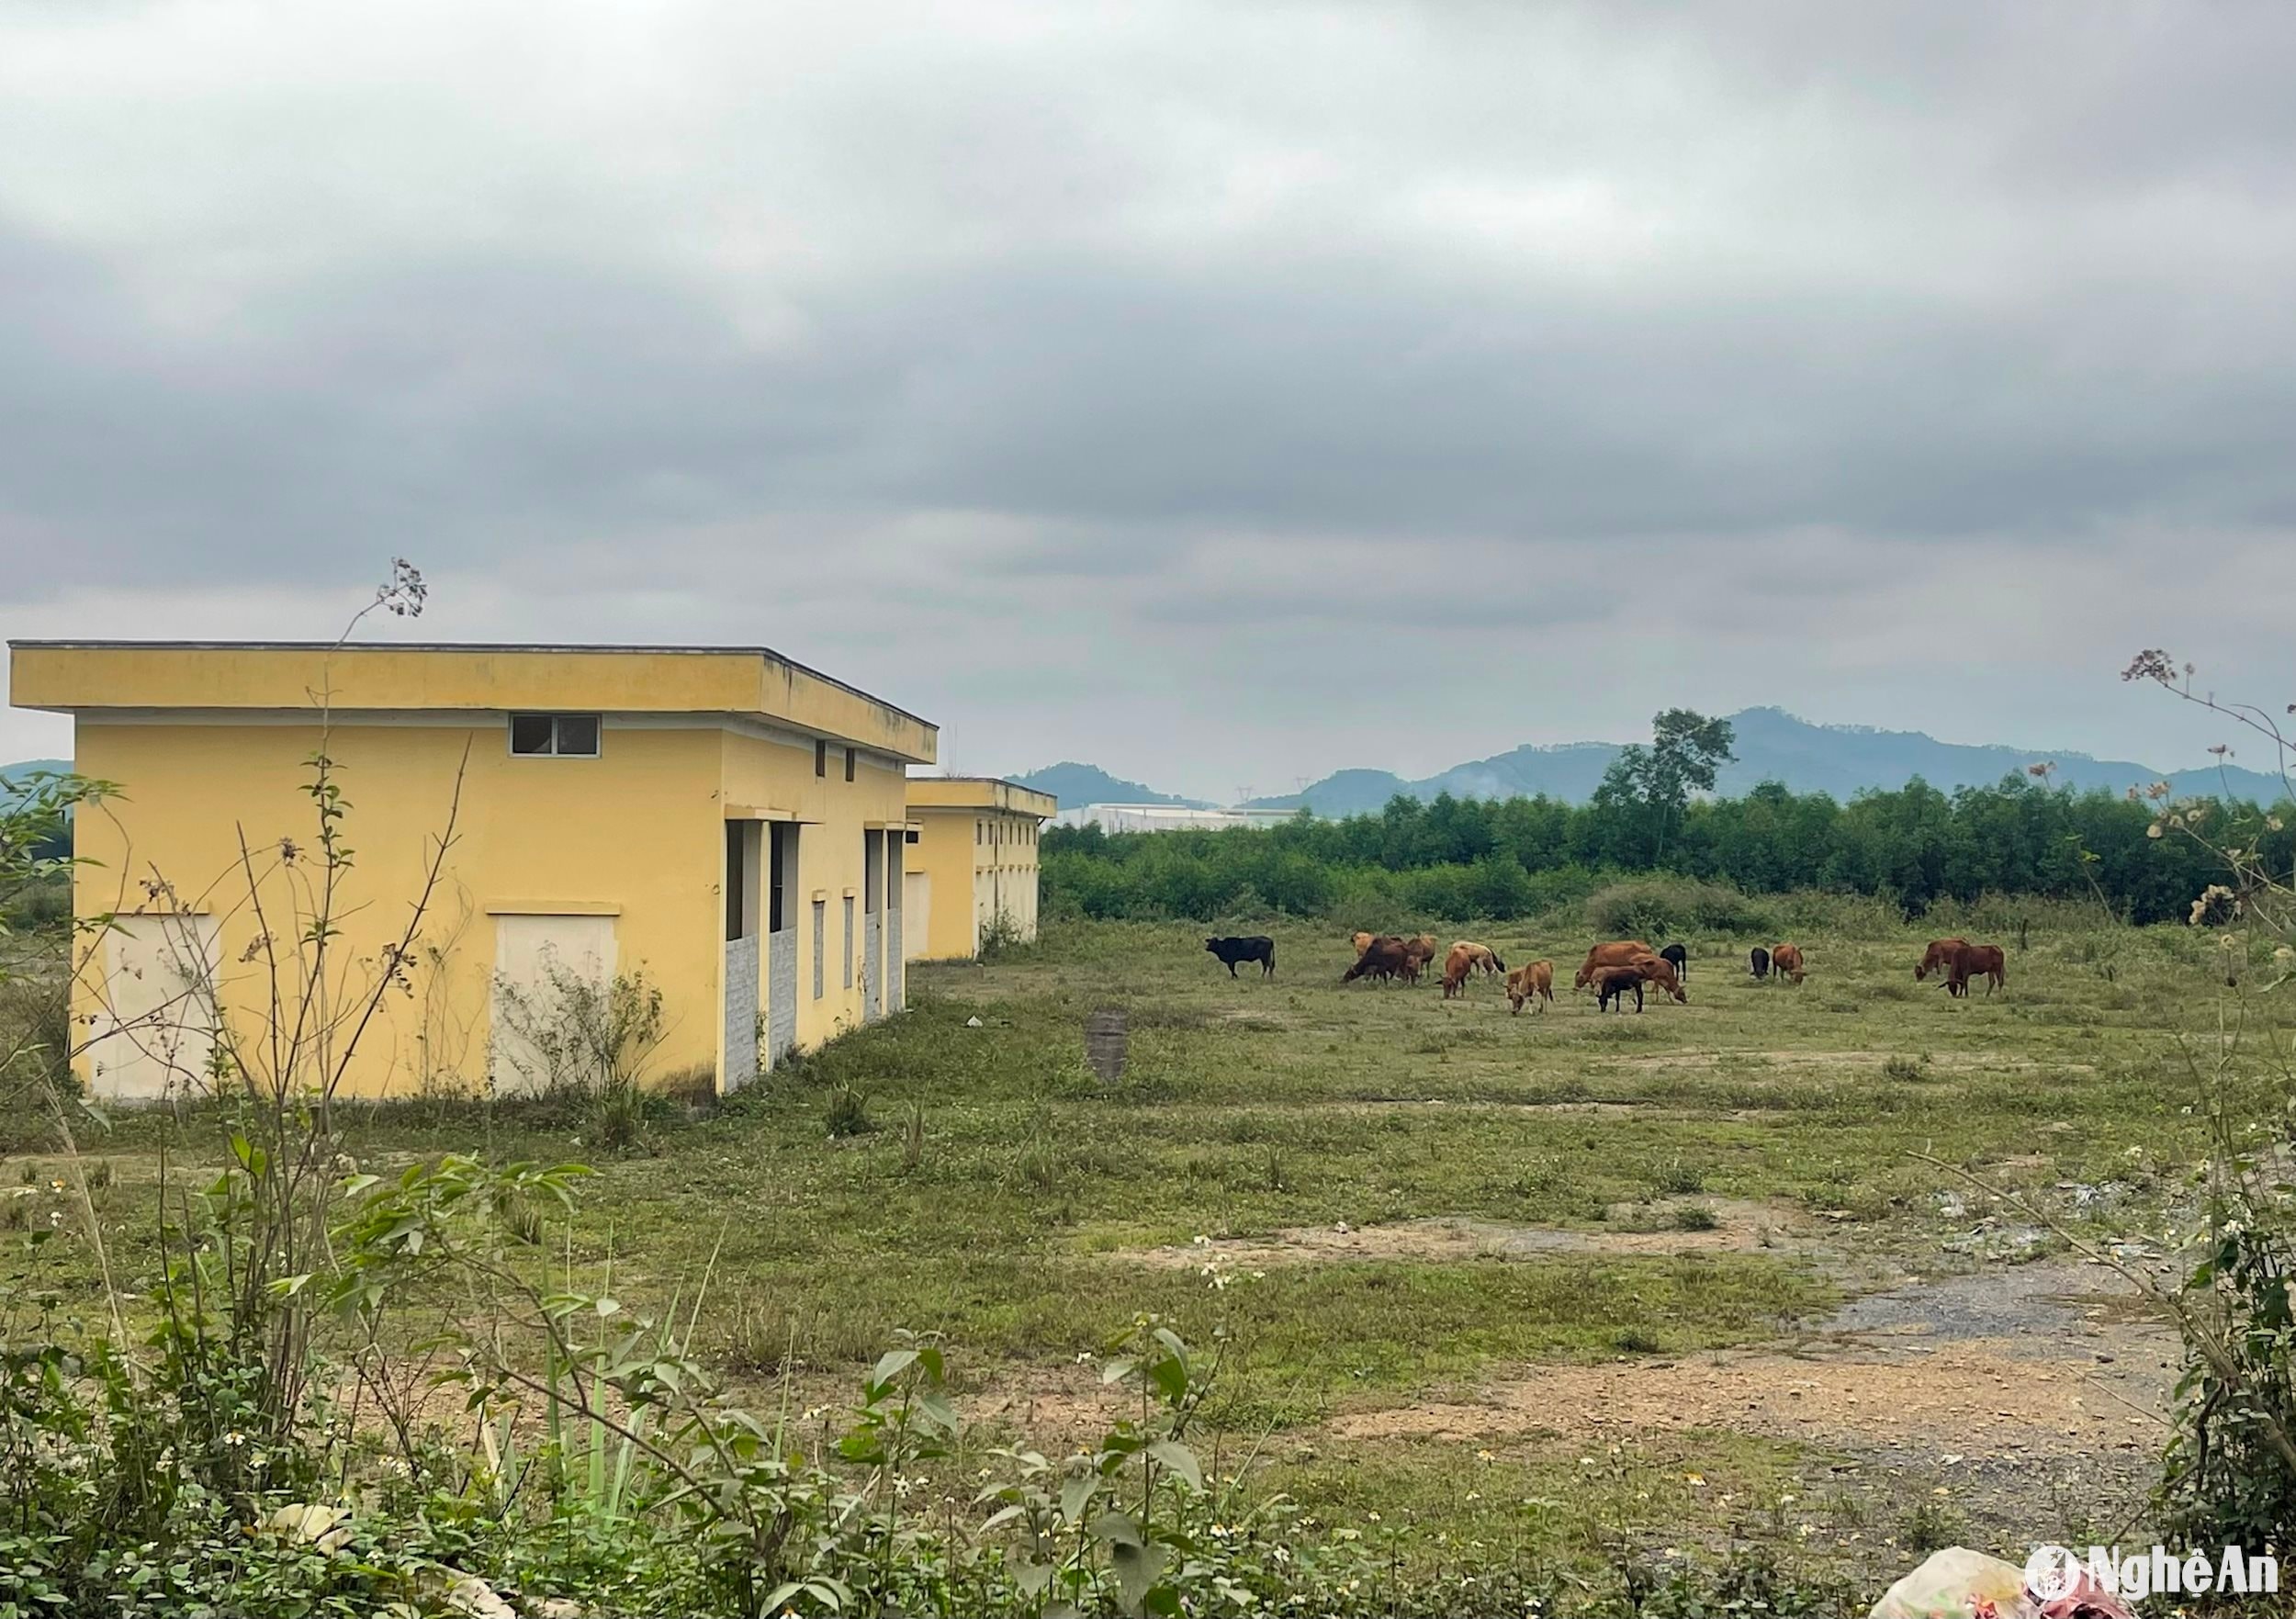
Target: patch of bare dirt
[1255, 1018]
[1054, 1412]
[1668, 1227]
[2007, 1364]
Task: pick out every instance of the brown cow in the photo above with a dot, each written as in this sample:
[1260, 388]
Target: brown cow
[1616, 954]
[1658, 970]
[1408, 971]
[1527, 984]
[1382, 958]
[1786, 960]
[1463, 957]
[1483, 956]
[1971, 959]
[1938, 956]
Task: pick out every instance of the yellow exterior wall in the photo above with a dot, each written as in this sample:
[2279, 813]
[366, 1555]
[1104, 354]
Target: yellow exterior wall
[977, 846]
[636, 828]
[636, 833]
[943, 853]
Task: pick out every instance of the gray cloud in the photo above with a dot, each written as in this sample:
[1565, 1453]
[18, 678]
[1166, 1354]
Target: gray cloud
[1126, 357]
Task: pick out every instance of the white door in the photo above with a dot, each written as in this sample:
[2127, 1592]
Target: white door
[157, 1030]
[541, 962]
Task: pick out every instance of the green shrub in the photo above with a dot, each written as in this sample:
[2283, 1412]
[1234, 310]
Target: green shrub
[848, 1112]
[1658, 908]
[1677, 1178]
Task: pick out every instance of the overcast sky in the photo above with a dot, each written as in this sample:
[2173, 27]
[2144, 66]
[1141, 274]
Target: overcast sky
[1222, 394]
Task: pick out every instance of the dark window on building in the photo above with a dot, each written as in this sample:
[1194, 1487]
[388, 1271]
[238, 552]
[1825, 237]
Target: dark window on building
[561, 735]
[848, 764]
[820, 759]
[578, 736]
[784, 857]
[735, 838]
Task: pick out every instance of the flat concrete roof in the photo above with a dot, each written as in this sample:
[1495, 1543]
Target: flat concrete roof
[81, 676]
[980, 792]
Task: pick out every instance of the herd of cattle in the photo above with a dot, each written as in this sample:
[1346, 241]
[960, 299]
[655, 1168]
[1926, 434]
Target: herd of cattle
[1613, 970]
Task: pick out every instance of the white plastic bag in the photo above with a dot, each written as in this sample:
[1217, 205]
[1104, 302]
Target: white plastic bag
[1958, 1583]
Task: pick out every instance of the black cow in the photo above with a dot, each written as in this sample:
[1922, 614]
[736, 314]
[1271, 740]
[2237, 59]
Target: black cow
[1681, 957]
[1258, 948]
[1613, 982]
[1760, 959]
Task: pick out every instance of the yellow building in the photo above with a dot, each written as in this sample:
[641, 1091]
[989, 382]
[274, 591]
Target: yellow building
[719, 820]
[973, 859]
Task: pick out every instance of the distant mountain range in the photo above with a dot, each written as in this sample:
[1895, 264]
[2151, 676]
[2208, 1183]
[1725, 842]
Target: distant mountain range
[24, 766]
[1772, 745]
[1077, 785]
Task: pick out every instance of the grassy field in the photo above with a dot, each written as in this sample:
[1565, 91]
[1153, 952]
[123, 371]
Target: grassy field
[1511, 1283]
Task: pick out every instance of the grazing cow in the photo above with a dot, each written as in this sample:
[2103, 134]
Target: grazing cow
[1938, 956]
[1407, 973]
[1760, 958]
[1382, 958]
[1609, 955]
[1257, 948]
[1969, 960]
[1422, 947]
[1527, 984]
[1658, 970]
[1463, 957]
[1787, 959]
[1610, 983]
[1483, 956]
[1681, 957]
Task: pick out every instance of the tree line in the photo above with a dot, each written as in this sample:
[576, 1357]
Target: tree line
[1457, 858]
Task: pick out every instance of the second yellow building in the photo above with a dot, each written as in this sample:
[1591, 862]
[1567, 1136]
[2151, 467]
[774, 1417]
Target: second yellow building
[971, 870]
